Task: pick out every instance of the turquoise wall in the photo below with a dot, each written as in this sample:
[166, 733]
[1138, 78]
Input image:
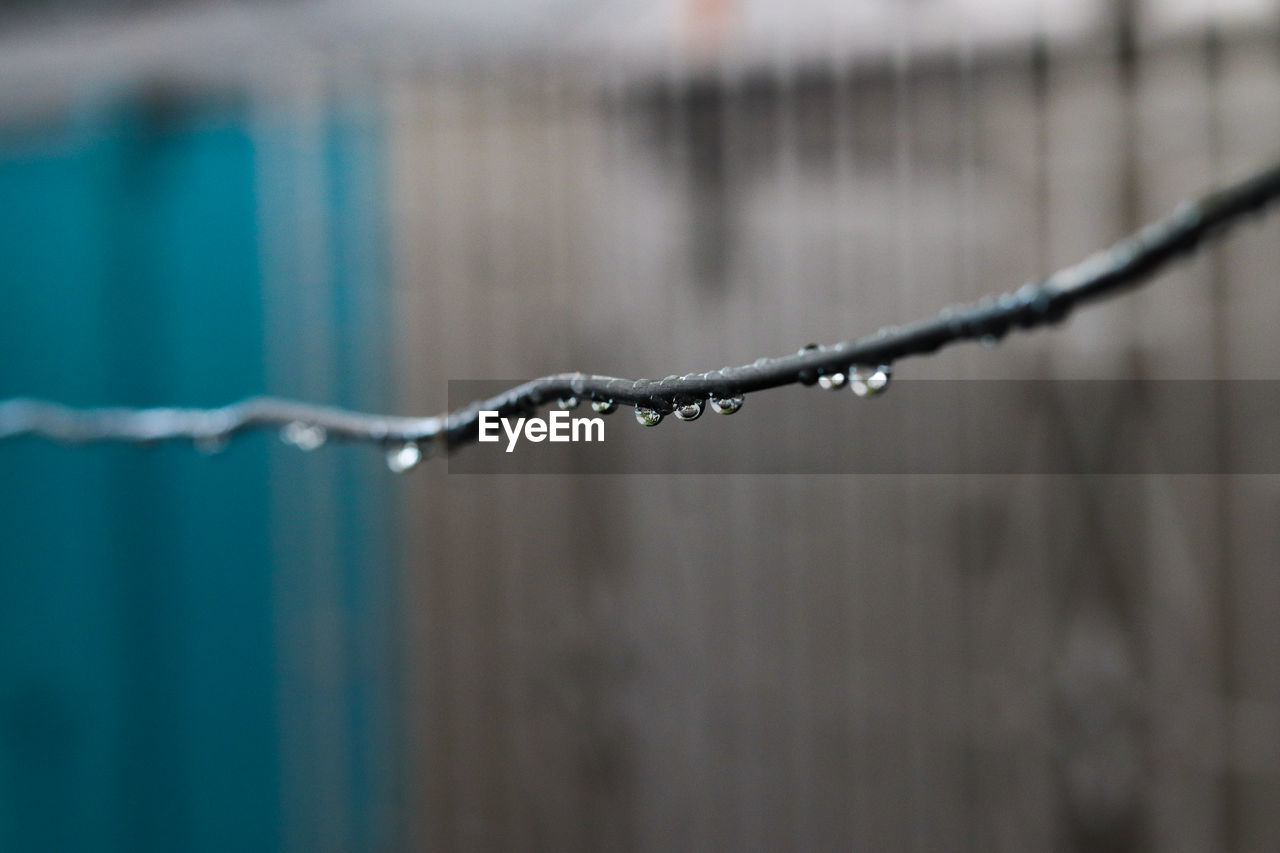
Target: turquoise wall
[149, 688]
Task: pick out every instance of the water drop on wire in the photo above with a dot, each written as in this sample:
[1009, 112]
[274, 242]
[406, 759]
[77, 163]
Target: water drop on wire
[831, 381]
[867, 381]
[303, 436]
[570, 402]
[648, 417]
[603, 407]
[404, 458]
[726, 405]
[689, 411]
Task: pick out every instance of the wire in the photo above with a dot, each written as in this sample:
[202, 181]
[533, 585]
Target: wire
[1105, 274]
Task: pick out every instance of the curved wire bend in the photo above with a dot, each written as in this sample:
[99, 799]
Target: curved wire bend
[1126, 264]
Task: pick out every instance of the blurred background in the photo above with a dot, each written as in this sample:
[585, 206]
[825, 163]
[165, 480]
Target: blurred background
[353, 203]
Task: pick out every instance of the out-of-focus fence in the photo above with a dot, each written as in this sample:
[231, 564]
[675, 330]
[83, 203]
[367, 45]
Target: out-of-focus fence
[353, 203]
[839, 662]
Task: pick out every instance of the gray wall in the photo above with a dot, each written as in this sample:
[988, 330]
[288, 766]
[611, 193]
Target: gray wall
[835, 662]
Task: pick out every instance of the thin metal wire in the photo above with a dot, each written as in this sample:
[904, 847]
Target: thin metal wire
[1105, 274]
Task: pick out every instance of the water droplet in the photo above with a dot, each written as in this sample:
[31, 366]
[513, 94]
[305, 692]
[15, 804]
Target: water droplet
[303, 436]
[726, 405]
[567, 402]
[760, 362]
[604, 407]
[867, 381]
[648, 417]
[831, 381]
[212, 444]
[689, 411]
[404, 458]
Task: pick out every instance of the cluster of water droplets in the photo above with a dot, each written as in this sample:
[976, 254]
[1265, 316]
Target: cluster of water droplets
[690, 410]
[831, 381]
[864, 380]
[401, 457]
[868, 381]
[303, 435]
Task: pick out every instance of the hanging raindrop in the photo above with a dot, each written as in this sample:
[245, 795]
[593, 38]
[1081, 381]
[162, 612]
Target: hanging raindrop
[567, 402]
[648, 417]
[867, 381]
[726, 405]
[404, 458]
[831, 381]
[689, 411]
[603, 407]
[303, 436]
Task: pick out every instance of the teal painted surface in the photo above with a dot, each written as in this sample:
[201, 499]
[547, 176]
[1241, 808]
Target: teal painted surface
[356, 166]
[140, 668]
